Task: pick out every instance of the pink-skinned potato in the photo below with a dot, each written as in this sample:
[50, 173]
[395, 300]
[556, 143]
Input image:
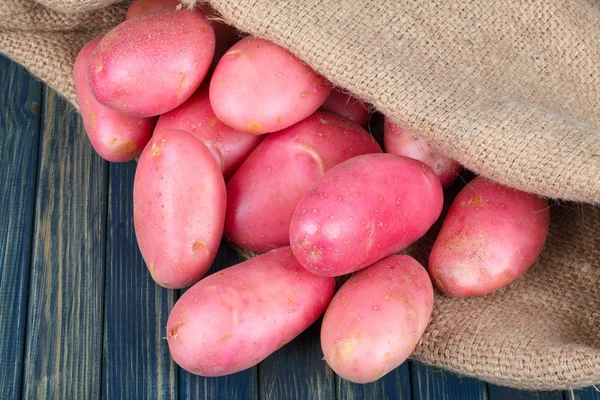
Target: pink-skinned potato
[139, 7]
[376, 319]
[402, 141]
[153, 62]
[363, 210]
[259, 87]
[263, 194]
[346, 105]
[114, 136]
[179, 208]
[235, 318]
[491, 235]
[229, 147]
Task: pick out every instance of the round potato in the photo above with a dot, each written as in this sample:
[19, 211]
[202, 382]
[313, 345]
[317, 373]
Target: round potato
[489, 238]
[260, 87]
[348, 106]
[376, 319]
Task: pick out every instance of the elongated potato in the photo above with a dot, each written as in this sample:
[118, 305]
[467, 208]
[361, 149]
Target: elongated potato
[491, 235]
[151, 63]
[114, 136]
[362, 210]
[179, 208]
[229, 147]
[259, 87]
[376, 319]
[405, 142]
[264, 192]
[235, 318]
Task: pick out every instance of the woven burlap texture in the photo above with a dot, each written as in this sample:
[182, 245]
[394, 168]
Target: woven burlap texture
[510, 89]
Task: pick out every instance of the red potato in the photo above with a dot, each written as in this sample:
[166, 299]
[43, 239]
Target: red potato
[229, 147]
[114, 136]
[235, 318]
[264, 192]
[376, 319]
[405, 142]
[362, 210]
[347, 106]
[489, 238]
[259, 87]
[179, 208]
[139, 7]
[152, 63]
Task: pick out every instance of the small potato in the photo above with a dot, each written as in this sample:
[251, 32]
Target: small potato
[376, 319]
[229, 147]
[489, 238]
[264, 192]
[362, 210]
[235, 318]
[347, 106]
[151, 63]
[405, 142]
[114, 136]
[139, 7]
[259, 87]
[179, 208]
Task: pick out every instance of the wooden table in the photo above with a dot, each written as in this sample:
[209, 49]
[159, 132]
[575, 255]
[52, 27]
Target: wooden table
[81, 318]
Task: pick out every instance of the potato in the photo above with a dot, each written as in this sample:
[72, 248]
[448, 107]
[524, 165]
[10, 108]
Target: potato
[151, 63]
[489, 238]
[376, 319]
[362, 210]
[235, 318]
[114, 136]
[179, 208]
[401, 141]
[229, 147]
[348, 106]
[264, 192]
[259, 87]
[138, 7]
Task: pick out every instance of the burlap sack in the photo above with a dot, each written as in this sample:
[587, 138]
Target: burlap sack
[510, 89]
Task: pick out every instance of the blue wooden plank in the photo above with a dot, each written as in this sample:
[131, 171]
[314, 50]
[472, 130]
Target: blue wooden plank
[297, 371]
[501, 393]
[589, 393]
[242, 385]
[395, 385]
[137, 363]
[63, 355]
[20, 106]
[432, 383]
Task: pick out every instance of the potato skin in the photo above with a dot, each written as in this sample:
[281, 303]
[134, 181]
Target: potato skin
[151, 63]
[235, 318]
[114, 136]
[362, 210]
[376, 319]
[259, 87]
[139, 7]
[347, 106]
[405, 142]
[264, 192]
[489, 238]
[179, 208]
[229, 147]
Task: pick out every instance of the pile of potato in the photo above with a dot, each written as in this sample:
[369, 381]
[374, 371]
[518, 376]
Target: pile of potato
[238, 137]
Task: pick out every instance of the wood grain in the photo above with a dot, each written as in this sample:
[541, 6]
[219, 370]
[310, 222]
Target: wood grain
[242, 385]
[137, 363]
[395, 385]
[63, 357]
[501, 393]
[589, 393]
[432, 383]
[20, 102]
[297, 371]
